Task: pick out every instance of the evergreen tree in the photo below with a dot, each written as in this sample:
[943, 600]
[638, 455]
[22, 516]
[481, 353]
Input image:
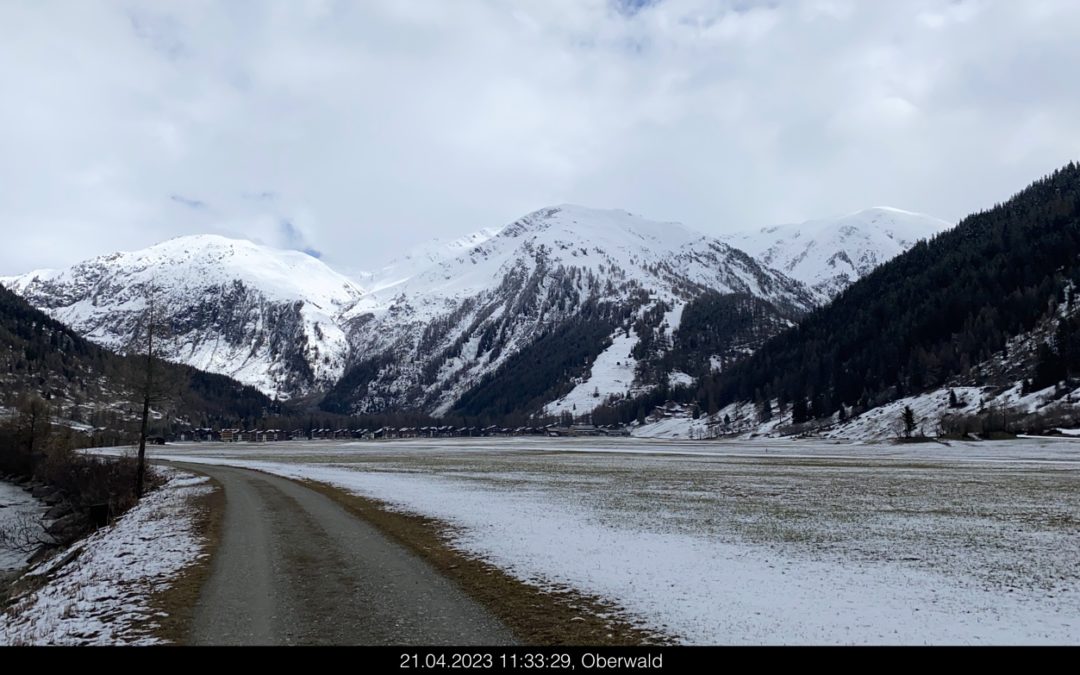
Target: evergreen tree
[907, 418]
[1049, 368]
[765, 412]
[799, 411]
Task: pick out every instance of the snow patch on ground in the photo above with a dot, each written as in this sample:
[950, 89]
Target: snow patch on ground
[102, 597]
[778, 543]
[879, 423]
[884, 421]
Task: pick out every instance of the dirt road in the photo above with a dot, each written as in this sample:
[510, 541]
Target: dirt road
[295, 568]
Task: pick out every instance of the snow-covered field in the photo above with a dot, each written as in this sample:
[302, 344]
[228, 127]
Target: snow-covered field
[787, 542]
[102, 596]
[16, 506]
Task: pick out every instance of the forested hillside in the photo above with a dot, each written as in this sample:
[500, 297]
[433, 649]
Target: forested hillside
[43, 356]
[928, 315]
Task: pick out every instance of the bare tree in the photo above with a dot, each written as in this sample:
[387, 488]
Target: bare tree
[154, 386]
[24, 534]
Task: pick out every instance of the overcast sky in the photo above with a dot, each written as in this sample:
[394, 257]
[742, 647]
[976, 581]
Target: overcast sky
[359, 127]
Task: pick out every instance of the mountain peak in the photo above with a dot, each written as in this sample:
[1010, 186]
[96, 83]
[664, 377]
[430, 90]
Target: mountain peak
[263, 315]
[920, 220]
[600, 226]
[831, 253]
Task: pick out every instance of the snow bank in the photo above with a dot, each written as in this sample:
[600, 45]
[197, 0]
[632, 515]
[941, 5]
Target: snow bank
[102, 597]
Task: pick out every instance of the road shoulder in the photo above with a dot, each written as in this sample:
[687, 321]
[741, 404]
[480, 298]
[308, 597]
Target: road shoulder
[175, 605]
[536, 616]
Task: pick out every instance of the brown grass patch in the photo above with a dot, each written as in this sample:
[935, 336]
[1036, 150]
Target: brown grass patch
[174, 607]
[534, 615]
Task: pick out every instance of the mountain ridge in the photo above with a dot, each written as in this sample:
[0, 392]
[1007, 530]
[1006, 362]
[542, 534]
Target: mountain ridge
[829, 254]
[265, 316]
[430, 329]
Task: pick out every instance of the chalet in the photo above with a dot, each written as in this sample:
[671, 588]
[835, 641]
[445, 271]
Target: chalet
[205, 435]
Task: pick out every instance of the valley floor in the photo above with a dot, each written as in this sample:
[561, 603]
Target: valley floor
[784, 542]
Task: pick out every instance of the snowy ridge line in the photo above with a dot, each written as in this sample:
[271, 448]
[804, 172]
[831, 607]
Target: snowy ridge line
[264, 316]
[829, 255]
[102, 597]
[426, 329]
[441, 331]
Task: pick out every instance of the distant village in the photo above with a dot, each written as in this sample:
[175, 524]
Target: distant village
[385, 433]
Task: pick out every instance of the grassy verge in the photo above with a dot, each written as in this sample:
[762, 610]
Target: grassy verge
[536, 616]
[174, 607]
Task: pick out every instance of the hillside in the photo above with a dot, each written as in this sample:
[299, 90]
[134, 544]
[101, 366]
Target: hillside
[930, 316]
[520, 319]
[87, 384]
[263, 316]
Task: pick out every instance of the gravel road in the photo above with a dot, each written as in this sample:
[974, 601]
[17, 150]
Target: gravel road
[295, 568]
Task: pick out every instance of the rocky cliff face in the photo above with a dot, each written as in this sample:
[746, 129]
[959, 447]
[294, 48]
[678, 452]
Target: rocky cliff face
[267, 317]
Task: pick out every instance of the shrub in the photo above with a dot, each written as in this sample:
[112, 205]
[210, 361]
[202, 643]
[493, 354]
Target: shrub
[88, 481]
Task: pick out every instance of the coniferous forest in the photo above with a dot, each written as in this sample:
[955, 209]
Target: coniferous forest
[930, 314]
[40, 354]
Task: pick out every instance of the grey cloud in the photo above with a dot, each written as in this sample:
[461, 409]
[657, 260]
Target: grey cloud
[372, 126]
[196, 204]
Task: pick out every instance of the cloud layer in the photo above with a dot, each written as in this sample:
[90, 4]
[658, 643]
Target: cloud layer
[359, 128]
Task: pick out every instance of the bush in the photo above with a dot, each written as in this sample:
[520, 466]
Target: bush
[13, 459]
[88, 481]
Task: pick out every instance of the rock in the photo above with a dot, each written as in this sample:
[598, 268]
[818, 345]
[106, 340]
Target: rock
[42, 491]
[53, 499]
[58, 511]
[61, 562]
[68, 528]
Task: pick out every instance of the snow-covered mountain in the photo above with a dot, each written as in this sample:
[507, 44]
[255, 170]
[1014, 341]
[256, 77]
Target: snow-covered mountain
[424, 255]
[267, 317]
[829, 255]
[561, 310]
[520, 320]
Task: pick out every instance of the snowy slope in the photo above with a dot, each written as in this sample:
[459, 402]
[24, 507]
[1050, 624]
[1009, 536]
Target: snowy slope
[265, 316]
[830, 254]
[429, 328]
[425, 255]
[431, 337]
[991, 394]
[100, 590]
